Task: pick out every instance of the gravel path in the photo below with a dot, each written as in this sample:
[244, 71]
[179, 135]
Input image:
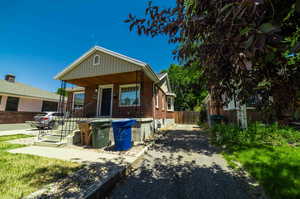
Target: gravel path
[181, 165]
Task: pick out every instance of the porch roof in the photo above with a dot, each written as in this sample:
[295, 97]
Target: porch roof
[120, 78]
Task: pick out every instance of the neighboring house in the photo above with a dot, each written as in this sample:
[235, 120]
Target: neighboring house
[110, 85]
[20, 102]
[232, 112]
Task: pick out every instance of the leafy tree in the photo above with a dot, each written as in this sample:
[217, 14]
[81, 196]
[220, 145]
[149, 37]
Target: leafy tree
[61, 91]
[245, 47]
[187, 84]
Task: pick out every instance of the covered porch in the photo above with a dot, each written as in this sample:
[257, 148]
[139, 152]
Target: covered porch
[120, 95]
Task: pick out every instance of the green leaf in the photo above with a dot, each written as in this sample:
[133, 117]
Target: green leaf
[267, 28]
[245, 31]
[249, 42]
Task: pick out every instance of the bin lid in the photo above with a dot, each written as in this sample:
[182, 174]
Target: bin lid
[100, 122]
[123, 123]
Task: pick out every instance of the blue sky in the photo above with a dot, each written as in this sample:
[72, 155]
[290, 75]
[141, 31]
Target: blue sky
[40, 38]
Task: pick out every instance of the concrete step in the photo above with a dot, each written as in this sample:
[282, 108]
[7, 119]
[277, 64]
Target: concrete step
[53, 138]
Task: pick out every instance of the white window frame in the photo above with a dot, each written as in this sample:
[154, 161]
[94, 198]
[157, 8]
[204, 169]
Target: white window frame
[94, 60]
[74, 93]
[130, 86]
[172, 103]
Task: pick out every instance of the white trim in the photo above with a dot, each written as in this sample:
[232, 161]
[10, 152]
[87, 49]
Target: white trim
[148, 70]
[94, 58]
[129, 86]
[74, 93]
[99, 99]
[163, 76]
[156, 90]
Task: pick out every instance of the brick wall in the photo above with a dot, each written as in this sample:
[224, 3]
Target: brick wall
[90, 101]
[16, 117]
[161, 111]
[170, 115]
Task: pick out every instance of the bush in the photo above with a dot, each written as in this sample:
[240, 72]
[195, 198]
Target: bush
[256, 134]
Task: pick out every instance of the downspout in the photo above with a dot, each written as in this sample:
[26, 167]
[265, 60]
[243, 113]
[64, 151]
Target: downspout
[153, 106]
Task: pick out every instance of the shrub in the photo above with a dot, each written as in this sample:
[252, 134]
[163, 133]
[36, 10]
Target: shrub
[256, 134]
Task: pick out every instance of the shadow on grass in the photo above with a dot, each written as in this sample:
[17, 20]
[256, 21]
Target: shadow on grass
[46, 175]
[70, 184]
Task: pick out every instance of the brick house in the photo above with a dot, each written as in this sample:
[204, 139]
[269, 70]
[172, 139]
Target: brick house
[106, 84]
[20, 102]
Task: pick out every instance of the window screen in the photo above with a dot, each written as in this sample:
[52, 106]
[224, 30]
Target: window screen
[12, 104]
[130, 96]
[49, 106]
[78, 100]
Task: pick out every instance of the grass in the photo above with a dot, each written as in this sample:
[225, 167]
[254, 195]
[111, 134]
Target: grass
[269, 154]
[22, 174]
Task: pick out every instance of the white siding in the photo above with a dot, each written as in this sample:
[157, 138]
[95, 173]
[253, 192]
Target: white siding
[30, 105]
[108, 65]
[3, 103]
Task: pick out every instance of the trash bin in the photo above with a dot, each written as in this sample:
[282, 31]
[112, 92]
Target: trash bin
[85, 132]
[216, 119]
[100, 133]
[122, 134]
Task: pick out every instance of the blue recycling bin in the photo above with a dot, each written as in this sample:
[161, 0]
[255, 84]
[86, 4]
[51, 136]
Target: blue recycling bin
[122, 134]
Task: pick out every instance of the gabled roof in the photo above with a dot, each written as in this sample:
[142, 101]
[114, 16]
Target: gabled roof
[162, 75]
[23, 90]
[148, 70]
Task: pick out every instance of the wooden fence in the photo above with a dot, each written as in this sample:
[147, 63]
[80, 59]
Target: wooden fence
[187, 117]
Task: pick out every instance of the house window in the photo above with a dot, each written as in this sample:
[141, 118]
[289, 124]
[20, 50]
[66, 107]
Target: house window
[96, 60]
[12, 104]
[252, 101]
[129, 95]
[78, 100]
[0, 99]
[170, 104]
[49, 106]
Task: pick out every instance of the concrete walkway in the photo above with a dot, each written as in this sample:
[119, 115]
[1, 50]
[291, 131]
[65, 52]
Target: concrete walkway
[82, 155]
[180, 165]
[12, 127]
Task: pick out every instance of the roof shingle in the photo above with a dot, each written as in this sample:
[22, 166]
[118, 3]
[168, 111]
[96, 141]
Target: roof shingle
[24, 90]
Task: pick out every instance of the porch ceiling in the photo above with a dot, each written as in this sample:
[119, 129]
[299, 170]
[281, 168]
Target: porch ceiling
[120, 78]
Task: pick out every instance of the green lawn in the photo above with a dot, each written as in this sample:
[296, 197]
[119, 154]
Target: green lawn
[276, 168]
[22, 174]
[269, 153]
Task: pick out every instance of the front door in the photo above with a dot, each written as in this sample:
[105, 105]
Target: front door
[105, 101]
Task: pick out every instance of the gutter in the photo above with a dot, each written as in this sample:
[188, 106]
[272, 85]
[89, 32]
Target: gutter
[30, 97]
